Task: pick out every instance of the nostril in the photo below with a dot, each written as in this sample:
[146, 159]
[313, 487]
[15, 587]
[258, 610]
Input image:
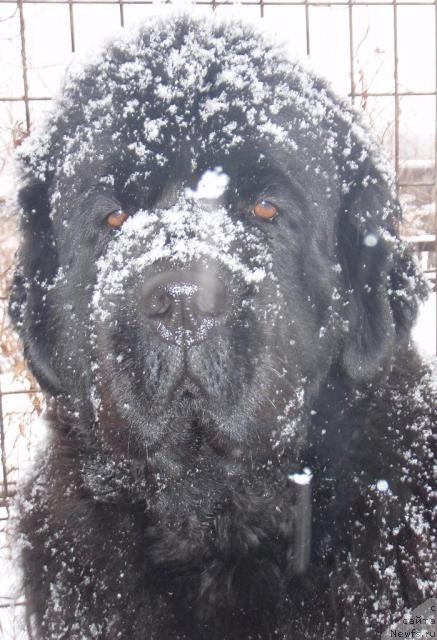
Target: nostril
[158, 302]
[211, 301]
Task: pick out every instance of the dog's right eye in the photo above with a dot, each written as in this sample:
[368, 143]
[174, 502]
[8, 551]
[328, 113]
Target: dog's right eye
[116, 218]
[265, 209]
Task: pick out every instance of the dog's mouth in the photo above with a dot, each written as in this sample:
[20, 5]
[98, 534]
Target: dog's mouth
[188, 390]
[192, 401]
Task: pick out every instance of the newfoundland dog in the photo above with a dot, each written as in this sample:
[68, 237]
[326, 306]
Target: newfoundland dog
[212, 294]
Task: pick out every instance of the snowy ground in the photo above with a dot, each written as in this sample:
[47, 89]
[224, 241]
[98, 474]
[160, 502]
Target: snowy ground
[11, 601]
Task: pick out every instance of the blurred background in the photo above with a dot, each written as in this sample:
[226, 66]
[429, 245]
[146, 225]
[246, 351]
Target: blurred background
[380, 54]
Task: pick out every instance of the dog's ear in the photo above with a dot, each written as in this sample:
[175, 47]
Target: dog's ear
[35, 270]
[382, 282]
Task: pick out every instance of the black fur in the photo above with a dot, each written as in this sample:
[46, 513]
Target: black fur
[161, 507]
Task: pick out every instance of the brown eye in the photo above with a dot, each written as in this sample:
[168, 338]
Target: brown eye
[265, 209]
[116, 218]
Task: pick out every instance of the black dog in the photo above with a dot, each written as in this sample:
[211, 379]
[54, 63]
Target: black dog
[211, 291]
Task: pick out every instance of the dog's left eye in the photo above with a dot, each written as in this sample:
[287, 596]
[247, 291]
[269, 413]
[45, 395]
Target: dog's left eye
[116, 218]
[265, 209]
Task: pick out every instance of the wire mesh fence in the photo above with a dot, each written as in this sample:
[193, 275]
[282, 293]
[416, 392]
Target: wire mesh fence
[382, 54]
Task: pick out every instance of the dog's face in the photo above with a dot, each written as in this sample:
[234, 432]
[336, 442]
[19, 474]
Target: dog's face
[207, 239]
[194, 315]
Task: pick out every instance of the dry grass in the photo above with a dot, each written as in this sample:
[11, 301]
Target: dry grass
[20, 406]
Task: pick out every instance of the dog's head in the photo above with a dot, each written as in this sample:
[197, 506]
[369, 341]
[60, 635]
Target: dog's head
[206, 236]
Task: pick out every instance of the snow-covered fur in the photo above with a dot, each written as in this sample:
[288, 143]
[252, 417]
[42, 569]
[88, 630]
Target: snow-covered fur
[199, 353]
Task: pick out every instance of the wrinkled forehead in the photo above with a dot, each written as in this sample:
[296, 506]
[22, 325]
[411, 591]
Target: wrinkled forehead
[141, 180]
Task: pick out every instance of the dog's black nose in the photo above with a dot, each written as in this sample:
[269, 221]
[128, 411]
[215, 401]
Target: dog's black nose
[185, 305]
